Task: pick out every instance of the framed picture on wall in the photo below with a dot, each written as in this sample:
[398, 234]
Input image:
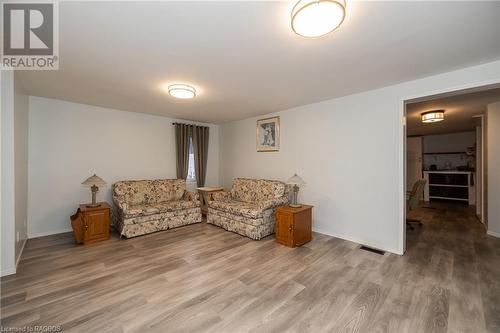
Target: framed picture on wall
[268, 134]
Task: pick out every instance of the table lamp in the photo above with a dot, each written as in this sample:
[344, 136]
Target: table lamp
[296, 182]
[94, 182]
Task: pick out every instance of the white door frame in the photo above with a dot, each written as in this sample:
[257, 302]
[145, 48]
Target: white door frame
[480, 157]
[401, 119]
[483, 168]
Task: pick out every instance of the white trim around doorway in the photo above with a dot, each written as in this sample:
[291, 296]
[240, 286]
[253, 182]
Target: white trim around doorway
[401, 119]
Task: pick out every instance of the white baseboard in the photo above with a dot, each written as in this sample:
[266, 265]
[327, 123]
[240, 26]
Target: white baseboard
[350, 239]
[8, 271]
[21, 252]
[47, 233]
[492, 233]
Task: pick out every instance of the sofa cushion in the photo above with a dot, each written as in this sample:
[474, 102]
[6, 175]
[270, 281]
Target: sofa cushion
[253, 228]
[242, 208]
[158, 208]
[252, 190]
[267, 216]
[160, 216]
[167, 189]
[141, 225]
[137, 192]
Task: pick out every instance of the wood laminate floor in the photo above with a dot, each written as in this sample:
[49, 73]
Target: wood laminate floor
[201, 278]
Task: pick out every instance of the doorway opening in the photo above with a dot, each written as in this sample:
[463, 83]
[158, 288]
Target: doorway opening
[445, 149]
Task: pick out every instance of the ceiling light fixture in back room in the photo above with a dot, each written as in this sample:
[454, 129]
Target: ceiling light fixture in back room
[316, 18]
[432, 116]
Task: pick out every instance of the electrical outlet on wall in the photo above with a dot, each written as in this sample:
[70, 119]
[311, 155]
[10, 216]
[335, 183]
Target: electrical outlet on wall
[17, 237]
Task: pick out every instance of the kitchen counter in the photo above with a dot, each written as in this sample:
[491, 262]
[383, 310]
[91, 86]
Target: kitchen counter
[450, 185]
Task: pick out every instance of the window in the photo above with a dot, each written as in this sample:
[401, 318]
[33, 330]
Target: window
[191, 175]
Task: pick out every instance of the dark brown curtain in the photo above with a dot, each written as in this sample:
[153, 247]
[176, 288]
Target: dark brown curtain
[182, 135]
[200, 144]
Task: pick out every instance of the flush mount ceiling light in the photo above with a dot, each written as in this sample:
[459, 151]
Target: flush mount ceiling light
[316, 18]
[432, 116]
[182, 91]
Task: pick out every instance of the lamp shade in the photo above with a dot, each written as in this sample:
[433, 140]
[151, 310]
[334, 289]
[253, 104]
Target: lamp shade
[296, 180]
[94, 181]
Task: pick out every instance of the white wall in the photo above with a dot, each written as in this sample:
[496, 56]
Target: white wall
[21, 107]
[453, 142]
[349, 150]
[68, 142]
[14, 174]
[493, 169]
[7, 174]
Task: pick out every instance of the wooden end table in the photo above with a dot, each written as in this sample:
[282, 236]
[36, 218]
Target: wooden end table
[205, 192]
[91, 224]
[293, 225]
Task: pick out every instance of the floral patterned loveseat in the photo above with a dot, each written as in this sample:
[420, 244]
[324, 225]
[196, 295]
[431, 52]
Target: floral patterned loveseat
[248, 209]
[146, 206]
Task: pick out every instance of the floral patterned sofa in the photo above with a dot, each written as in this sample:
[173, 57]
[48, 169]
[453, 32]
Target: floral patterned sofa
[248, 209]
[146, 206]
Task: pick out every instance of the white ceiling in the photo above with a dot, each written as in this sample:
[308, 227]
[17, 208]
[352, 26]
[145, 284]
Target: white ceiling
[458, 115]
[244, 59]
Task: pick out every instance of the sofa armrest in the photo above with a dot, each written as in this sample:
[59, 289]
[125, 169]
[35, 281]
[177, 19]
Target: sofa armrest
[272, 203]
[121, 204]
[219, 196]
[191, 196]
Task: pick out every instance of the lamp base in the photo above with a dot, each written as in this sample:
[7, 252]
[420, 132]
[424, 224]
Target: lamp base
[295, 205]
[94, 204]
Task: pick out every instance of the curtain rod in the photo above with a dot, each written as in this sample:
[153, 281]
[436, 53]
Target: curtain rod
[188, 124]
